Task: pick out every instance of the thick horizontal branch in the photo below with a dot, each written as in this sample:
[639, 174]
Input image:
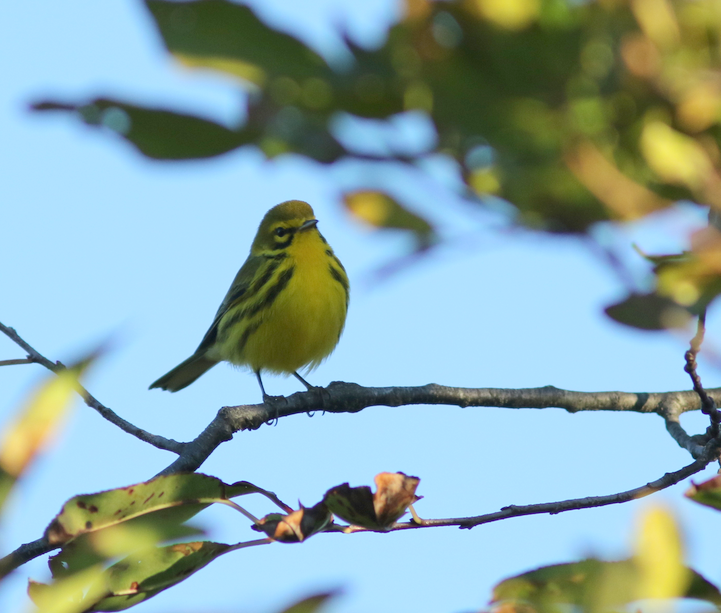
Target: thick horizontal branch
[341, 397]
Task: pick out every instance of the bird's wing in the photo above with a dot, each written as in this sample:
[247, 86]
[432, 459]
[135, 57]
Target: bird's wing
[238, 287]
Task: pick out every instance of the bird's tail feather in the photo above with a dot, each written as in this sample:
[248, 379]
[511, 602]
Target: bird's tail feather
[185, 373]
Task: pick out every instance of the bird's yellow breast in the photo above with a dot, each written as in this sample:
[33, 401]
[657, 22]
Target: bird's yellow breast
[303, 323]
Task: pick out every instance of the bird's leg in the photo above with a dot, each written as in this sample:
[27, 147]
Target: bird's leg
[310, 388]
[262, 389]
[271, 400]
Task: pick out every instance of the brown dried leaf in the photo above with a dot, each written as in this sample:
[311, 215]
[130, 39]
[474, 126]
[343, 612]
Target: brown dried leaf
[296, 526]
[379, 511]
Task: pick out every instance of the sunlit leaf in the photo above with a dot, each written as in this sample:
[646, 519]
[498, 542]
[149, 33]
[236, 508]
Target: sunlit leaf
[73, 594]
[172, 497]
[509, 14]
[676, 158]
[627, 199]
[659, 556]
[592, 585]
[115, 541]
[145, 574]
[34, 427]
[381, 211]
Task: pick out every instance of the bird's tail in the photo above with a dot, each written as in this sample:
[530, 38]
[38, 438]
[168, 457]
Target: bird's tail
[185, 373]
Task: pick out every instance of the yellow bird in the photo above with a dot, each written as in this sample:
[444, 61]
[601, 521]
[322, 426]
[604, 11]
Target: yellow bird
[285, 309]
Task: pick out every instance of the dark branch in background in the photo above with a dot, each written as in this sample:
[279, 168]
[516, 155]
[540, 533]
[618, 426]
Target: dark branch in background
[35, 357]
[708, 406]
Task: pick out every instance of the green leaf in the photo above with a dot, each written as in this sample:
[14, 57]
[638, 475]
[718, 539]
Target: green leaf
[70, 595]
[229, 37]
[707, 493]
[173, 498]
[142, 532]
[649, 312]
[156, 133]
[311, 604]
[128, 582]
[593, 585]
[143, 575]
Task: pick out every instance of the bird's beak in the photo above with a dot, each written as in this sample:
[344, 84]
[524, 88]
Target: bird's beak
[307, 225]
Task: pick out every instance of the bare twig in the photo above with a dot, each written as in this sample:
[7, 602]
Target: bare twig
[693, 444]
[15, 362]
[27, 552]
[708, 406]
[553, 508]
[35, 357]
[341, 397]
[23, 554]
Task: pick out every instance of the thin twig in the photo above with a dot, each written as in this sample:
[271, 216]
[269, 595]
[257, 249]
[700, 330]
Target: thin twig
[554, 508]
[23, 554]
[34, 356]
[15, 362]
[27, 552]
[708, 406]
[693, 444]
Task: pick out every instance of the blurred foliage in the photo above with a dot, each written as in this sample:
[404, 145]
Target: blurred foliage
[120, 547]
[572, 112]
[656, 571]
[37, 423]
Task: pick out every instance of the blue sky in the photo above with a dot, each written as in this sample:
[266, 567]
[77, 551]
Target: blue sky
[99, 243]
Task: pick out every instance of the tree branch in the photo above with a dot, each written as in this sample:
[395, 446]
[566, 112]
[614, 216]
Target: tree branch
[341, 397]
[34, 356]
[29, 551]
[708, 406]
[709, 454]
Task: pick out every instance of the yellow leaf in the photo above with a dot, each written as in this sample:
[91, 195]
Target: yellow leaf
[33, 427]
[673, 156]
[238, 69]
[657, 20]
[508, 14]
[659, 556]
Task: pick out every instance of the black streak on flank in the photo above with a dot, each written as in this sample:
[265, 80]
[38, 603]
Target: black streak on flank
[339, 277]
[252, 291]
[246, 335]
[283, 280]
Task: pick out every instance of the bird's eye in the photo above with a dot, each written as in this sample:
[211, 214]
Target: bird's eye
[281, 231]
